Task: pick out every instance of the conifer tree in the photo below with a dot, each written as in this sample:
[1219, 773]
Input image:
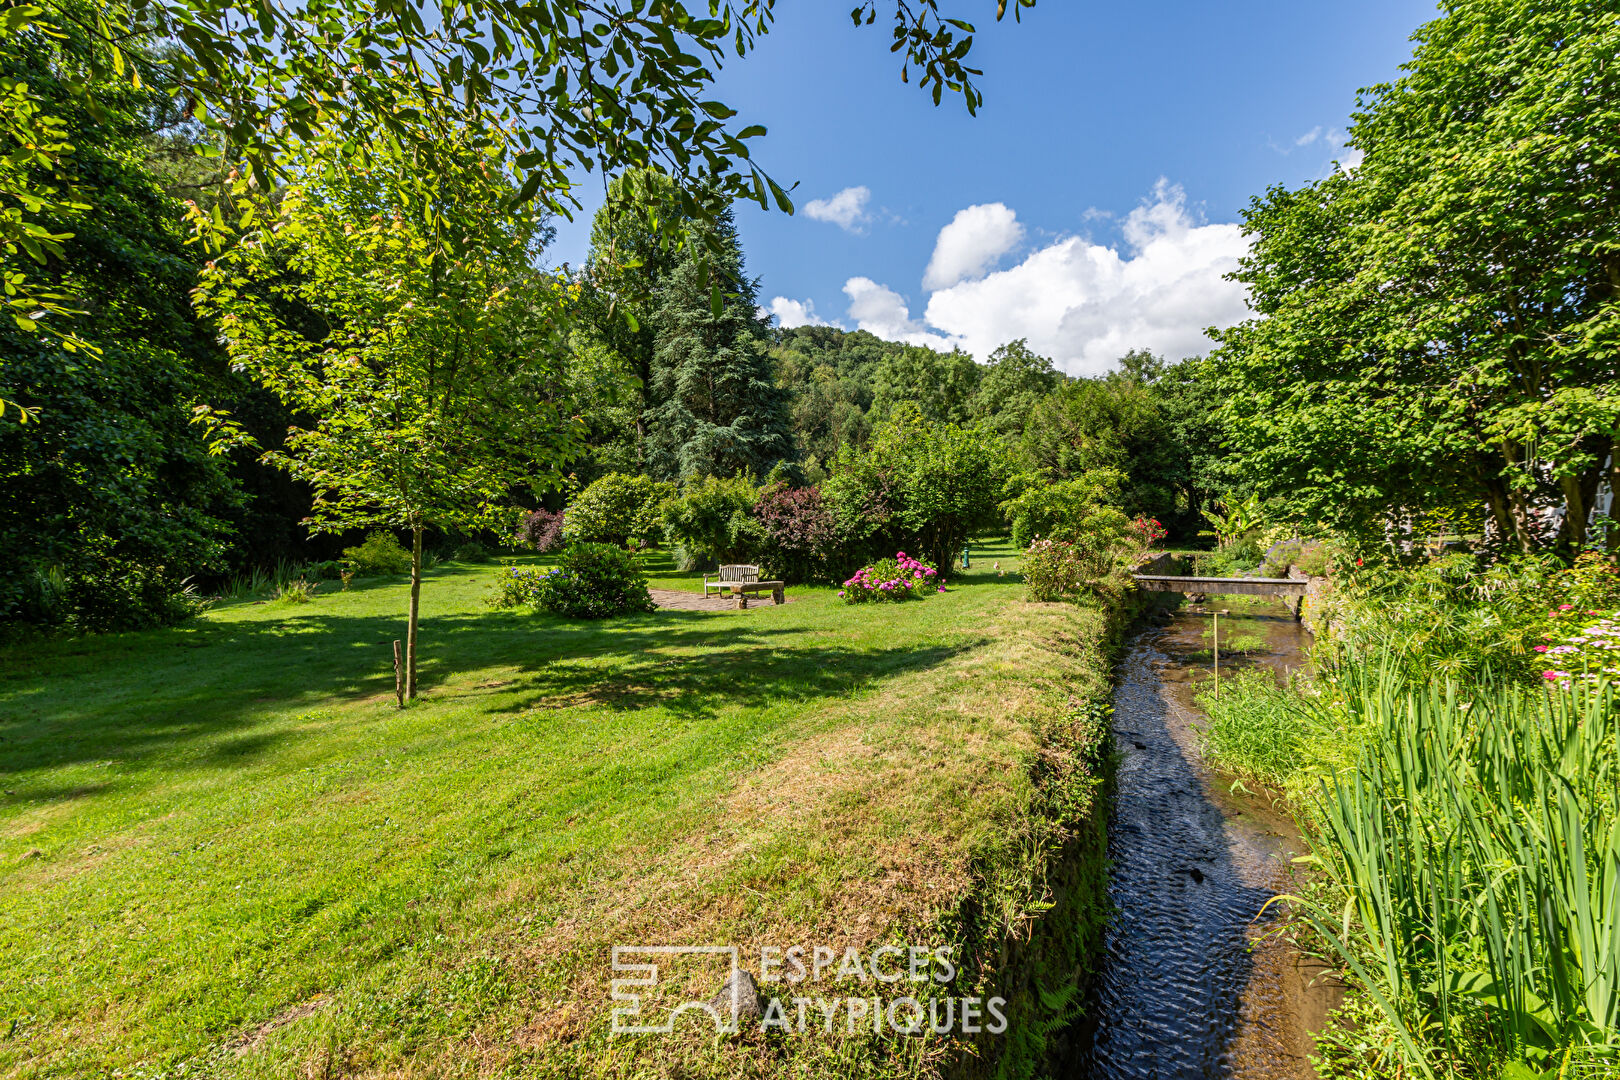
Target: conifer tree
[718, 410]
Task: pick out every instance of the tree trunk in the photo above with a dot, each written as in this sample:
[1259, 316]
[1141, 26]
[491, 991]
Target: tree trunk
[416, 602]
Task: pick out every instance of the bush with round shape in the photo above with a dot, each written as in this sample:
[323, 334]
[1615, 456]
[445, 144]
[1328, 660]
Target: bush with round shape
[921, 484]
[616, 509]
[892, 580]
[591, 581]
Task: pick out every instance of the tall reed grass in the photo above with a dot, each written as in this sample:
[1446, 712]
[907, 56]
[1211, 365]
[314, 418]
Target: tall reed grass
[1472, 866]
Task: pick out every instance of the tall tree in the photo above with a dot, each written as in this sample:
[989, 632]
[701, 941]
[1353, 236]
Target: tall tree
[1015, 378]
[1439, 327]
[717, 408]
[940, 384]
[633, 250]
[400, 310]
[109, 497]
[1115, 422]
[571, 87]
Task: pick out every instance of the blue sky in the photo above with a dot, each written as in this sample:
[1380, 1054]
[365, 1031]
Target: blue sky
[1094, 198]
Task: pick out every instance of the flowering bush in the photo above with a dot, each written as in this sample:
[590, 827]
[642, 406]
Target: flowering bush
[899, 578]
[590, 581]
[516, 586]
[1054, 570]
[1585, 651]
[1148, 531]
[1313, 557]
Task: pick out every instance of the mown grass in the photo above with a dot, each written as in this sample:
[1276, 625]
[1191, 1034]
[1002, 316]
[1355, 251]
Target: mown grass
[224, 851]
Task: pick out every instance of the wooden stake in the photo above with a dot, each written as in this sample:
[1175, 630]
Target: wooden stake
[399, 676]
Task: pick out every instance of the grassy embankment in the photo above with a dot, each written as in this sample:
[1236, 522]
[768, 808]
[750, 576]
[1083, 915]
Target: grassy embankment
[224, 851]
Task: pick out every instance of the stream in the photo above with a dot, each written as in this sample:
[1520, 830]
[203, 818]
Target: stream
[1191, 984]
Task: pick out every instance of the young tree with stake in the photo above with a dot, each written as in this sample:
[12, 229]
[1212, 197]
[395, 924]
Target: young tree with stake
[401, 309]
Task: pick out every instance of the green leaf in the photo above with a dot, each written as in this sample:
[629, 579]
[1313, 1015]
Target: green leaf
[530, 187]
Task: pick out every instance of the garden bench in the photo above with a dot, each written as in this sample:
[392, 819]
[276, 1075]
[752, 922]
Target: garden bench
[741, 579]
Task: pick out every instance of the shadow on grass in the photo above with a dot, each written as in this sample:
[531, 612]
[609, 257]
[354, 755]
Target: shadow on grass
[140, 699]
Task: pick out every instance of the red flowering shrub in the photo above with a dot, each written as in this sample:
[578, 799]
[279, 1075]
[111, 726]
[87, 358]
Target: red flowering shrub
[1148, 531]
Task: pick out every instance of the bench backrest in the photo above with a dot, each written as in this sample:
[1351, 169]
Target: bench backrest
[739, 572]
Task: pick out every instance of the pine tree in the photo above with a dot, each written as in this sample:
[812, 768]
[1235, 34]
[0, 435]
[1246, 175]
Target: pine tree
[718, 410]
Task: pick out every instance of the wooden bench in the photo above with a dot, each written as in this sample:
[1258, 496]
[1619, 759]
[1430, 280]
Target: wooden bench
[741, 579]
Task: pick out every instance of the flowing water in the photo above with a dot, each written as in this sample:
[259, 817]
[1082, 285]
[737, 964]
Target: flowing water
[1192, 984]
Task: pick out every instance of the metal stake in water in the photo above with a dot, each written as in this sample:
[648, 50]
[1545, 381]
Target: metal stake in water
[1218, 615]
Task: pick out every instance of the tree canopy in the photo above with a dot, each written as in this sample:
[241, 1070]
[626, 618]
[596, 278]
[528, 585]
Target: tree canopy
[1438, 327]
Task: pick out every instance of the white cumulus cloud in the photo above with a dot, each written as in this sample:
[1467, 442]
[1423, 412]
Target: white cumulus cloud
[880, 310]
[789, 313]
[971, 244]
[1082, 303]
[847, 209]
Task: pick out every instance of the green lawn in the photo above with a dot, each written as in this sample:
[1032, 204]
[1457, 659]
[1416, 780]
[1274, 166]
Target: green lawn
[224, 851]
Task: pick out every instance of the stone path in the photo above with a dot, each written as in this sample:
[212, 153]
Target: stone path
[680, 600]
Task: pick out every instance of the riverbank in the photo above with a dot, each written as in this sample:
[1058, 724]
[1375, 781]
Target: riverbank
[224, 851]
[1460, 815]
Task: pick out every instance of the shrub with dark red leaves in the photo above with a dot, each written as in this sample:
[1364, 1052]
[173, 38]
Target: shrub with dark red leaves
[802, 542]
[542, 530]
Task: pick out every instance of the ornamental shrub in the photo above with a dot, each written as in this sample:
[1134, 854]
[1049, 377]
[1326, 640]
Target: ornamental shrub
[616, 509]
[1053, 570]
[1313, 557]
[542, 530]
[713, 520]
[801, 539]
[890, 580]
[517, 586]
[1095, 561]
[590, 581]
[381, 553]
